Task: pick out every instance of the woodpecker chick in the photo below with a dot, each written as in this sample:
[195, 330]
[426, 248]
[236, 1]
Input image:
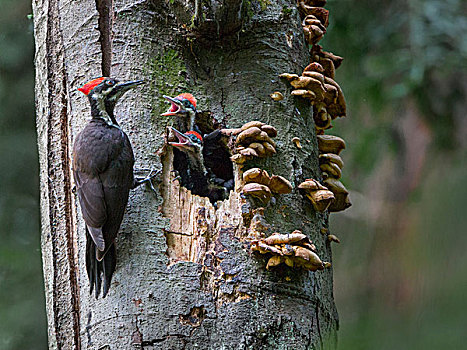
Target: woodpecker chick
[103, 171]
[183, 108]
[195, 178]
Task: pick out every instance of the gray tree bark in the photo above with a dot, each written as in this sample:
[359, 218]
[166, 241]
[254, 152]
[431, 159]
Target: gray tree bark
[201, 289]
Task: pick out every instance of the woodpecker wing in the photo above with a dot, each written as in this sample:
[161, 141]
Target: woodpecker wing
[93, 207]
[116, 181]
[103, 171]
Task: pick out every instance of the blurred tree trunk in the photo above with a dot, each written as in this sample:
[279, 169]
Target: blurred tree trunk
[202, 289]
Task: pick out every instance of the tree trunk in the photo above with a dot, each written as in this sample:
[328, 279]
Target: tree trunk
[185, 277]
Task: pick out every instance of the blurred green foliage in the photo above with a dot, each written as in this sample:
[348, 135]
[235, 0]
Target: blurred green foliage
[22, 305]
[400, 276]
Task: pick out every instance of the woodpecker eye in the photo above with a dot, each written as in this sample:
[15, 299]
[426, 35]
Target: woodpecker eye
[110, 82]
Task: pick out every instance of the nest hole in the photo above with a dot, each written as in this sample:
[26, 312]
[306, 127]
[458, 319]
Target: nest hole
[210, 172]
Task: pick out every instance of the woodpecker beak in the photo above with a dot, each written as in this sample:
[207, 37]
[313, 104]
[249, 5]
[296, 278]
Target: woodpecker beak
[183, 141]
[125, 86]
[175, 108]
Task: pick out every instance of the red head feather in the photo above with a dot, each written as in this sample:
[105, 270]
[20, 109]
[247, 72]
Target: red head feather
[86, 88]
[189, 97]
[198, 136]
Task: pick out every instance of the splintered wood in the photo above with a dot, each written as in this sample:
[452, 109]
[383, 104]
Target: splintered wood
[194, 221]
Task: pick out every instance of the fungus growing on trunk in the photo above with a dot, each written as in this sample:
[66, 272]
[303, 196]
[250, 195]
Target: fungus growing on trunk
[294, 250]
[260, 185]
[253, 139]
[276, 96]
[319, 195]
[330, 144]
[341, 194]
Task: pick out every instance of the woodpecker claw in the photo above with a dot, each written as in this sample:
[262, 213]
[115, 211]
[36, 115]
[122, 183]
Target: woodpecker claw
[148, 179]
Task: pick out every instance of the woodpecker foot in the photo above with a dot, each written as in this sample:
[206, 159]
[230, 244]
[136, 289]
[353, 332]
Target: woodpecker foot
[148, 179]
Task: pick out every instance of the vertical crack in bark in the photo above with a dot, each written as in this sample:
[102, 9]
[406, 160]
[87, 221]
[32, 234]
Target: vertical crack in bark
[60, 203]
[104, 7]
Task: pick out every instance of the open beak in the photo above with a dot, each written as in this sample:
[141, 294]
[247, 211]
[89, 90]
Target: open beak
[125, 86]
[175, 108]
[183, 141]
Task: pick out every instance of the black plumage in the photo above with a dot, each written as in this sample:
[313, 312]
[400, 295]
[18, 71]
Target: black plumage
[103, 171]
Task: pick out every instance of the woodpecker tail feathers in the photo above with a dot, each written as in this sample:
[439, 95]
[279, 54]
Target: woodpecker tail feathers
[99, 272]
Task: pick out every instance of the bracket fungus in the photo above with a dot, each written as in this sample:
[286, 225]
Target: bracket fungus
[341, 194]
[277, 96]
[294, 250]
[330, 144]
[331, 164]
[321, 198]
[313, 28]
[296, 141]
[259, 185]
[253, 139]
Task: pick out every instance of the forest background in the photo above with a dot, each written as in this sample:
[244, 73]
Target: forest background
[400, 272]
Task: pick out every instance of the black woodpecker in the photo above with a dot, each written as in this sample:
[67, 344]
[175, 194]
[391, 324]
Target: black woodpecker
[191, 144]
[103, 171]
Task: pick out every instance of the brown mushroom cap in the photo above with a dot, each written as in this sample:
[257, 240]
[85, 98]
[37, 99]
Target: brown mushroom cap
[270, 130]
[328, 67]
[274, 261]
[253, 123]
[239, 159]
[280, 185]
[259, 148]
[248, 152]
[256, 175]
[289, 76]
[342, 201]
[332, 170]
[317, 53]
[276, 96]
[296, 141]
[308, 94]
[331, 158]
[278, 238]
[269, 148]
[321, 199]
[313, 67]
[337, 109]
[257, 190]
[330, 144]
[311, 185]
[248, 134]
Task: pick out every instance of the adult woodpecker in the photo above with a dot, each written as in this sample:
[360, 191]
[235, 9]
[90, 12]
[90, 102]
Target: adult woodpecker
[191, 144]
[103, 171]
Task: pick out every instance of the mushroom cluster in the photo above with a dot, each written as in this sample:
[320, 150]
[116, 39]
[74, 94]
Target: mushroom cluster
[324, 94]
[253, 139]
[294, 250]
[331, 166]
[260, 186]
[320, 196]
[317, 84]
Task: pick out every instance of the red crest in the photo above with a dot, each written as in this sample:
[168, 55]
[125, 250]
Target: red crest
[198, 136]
[87, 88]
[189, 97]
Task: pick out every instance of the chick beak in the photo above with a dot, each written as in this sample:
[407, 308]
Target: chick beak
[175, 108]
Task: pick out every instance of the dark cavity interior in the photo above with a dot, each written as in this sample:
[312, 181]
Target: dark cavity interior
[209, 174]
